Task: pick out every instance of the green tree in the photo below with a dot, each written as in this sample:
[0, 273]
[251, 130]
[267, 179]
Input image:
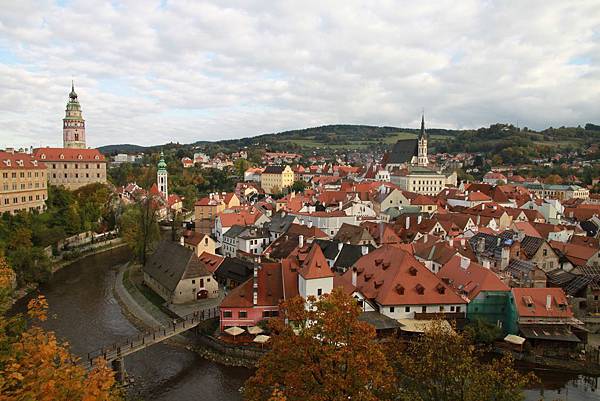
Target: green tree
[444, 366]
[139, 227]
[298, 186]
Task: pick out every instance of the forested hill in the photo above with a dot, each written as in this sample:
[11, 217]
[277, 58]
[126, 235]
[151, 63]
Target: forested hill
[512, 142]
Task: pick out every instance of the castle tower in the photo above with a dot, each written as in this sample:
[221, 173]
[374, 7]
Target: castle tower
[73, 123]
[162, 177]
[422, 159]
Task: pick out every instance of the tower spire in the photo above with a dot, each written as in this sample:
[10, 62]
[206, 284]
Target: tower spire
[422, 124]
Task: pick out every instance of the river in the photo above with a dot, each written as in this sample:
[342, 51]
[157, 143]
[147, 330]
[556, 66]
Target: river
[84, 312]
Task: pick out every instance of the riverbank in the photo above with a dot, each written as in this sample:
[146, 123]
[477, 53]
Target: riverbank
[145, 314]
[59, 264]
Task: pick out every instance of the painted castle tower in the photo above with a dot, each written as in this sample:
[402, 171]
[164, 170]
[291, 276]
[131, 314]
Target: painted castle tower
[162, 177]
[422, 159]
[73, 123]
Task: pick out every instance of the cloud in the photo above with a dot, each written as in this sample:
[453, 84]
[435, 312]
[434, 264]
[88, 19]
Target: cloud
[190, 70]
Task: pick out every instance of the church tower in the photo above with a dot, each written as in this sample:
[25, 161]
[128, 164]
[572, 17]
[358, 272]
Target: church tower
[73, 123]
[422, 159]
[162, 177]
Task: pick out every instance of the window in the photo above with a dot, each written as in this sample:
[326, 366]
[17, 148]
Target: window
[320, 291]
[242, 314]
[441, 308]
[227, 313]
[423, 309]
[392, 309]
[407, 309]
[452, 309]
[458, 309]
[545, 252]
[193, 281]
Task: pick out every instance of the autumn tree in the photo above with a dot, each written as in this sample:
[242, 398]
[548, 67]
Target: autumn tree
[324, 354]
[443, 365]
[34, 365]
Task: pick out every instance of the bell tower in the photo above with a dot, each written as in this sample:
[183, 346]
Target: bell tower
[422, 159]
[73, 123]
[162, 177]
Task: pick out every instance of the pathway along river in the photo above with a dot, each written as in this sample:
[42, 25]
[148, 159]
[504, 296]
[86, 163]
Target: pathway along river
[84, 311]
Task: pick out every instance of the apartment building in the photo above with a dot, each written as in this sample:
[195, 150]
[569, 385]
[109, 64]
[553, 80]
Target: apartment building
[22, 183]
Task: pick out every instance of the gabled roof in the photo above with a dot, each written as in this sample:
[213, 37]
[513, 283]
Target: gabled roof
[352, 234]
[532, 302]
[530, 245]
[171, 263]
[315, 265]
[402, 152]
[212, 262]
[270, 289]
[236, 269]
[471, 279]
[391, 276]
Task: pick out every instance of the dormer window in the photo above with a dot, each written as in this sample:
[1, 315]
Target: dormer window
[34, 162]
[441, 289]
[20, 163]
[7, 162]
[420, 289]
[412, 271]
[400, 289]
[43, 156]
[79, 157]
[378, 262]
[378, 283]
[385, 265]
[368, 276]
[62, 156]
[96, 157]
[527, 300]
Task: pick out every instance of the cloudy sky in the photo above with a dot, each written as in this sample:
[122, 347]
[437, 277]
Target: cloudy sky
[152, 72]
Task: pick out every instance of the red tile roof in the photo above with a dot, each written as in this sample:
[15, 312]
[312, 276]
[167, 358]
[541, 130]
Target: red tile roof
[270, 289]
[315, 265]
[392, 276]
[470, 280]
[19, 161]
[212, 262]
[68, 154]
[531, 302]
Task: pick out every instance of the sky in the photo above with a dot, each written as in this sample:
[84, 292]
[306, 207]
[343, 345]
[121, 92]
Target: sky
[153, 72]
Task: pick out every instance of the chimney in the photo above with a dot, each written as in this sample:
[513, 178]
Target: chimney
[462, 242]
[309, 224]
[255, 285]
[381, 232]
[340, 205]
[354, 274]
[181, 241]
[340, 246]
[480, 245]
[548, 302]
[419, 218]
[464, 263]
[364, 250]
[301, 241]
[407, 222]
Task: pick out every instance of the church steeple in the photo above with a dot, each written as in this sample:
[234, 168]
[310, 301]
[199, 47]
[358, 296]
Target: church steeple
[73, 123]
[422, 133]
[422, 159]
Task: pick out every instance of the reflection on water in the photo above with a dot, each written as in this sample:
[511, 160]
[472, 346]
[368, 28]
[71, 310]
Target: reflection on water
[556, 385]
[86, 314]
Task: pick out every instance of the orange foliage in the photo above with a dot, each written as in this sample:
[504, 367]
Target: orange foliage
[36, 366]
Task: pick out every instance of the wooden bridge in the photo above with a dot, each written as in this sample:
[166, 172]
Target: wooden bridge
[115, 353]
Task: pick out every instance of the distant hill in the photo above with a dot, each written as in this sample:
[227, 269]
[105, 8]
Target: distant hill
[512, 143]
[123, 148]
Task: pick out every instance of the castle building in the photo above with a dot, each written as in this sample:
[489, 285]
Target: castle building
[162, 177]
[73, 123]
[22, 183]
[422, 159]
[73, 166]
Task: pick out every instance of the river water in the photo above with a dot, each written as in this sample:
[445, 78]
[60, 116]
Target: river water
[84, 312]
